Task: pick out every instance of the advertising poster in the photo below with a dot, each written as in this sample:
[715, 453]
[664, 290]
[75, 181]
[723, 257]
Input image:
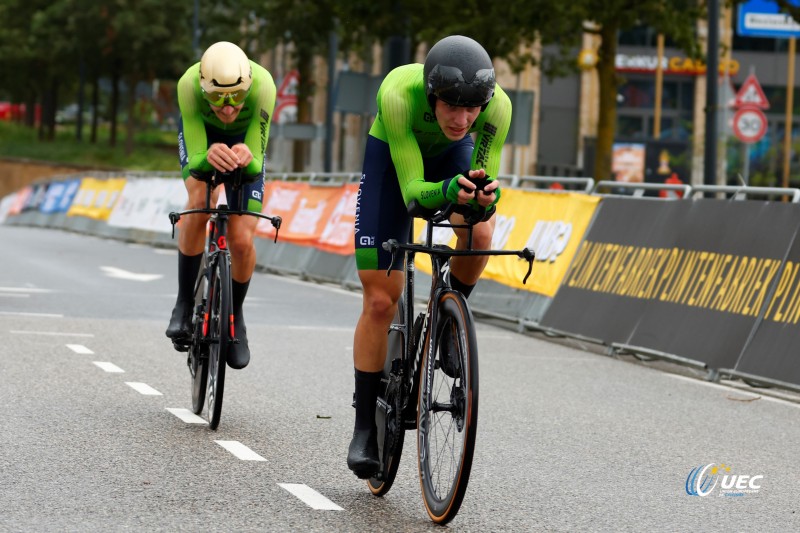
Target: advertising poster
[627, 162]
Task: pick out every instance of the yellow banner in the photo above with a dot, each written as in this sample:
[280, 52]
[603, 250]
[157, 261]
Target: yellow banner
[96, 197]
[552, 224]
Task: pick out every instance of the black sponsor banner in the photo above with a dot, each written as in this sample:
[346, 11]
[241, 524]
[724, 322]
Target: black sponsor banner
[587, 303]
[688, 278]
[774, 351]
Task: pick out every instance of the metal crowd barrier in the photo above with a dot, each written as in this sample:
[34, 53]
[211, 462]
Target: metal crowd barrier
[638, 190]
[744, 192]
[492, 299]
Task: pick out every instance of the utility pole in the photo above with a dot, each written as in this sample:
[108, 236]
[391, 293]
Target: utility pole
[712, 90]
[333, 48]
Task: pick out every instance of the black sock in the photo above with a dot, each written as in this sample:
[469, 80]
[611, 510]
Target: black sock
[460, 286]
[367, 386]
[238, 293]
[188, 267]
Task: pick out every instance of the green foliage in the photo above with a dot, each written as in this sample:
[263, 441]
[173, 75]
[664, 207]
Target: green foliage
[155, 151]
[44, 44]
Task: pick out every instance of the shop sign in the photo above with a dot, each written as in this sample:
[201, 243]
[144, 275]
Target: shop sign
[671, 65]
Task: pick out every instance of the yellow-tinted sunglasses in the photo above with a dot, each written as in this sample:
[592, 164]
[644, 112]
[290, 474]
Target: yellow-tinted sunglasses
[221, 99]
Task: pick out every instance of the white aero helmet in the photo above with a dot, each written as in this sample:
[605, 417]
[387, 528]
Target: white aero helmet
[225, 74]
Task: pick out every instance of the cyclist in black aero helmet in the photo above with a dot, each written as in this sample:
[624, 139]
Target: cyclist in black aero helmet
[420, 151]
[459, 71]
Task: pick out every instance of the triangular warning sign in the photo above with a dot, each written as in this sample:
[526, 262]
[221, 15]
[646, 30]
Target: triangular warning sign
[751, 94]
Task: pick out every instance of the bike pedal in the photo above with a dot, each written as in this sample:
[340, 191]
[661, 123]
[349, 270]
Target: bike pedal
[181, 346]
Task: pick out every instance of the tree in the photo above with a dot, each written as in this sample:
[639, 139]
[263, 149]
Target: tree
[606, 18]
[787, 7]
[306, 25]
[141, 45]
[526, 22]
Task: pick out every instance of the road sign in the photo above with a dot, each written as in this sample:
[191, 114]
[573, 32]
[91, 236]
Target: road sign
[751, 94]
[762, 18]
[749, 124]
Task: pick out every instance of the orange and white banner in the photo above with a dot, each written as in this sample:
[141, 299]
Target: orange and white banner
[317, 216]
[551, 224]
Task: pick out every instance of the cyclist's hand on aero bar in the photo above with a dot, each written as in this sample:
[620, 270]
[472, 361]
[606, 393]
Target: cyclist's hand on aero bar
[475, 189]
[222, 158]
[244, 154]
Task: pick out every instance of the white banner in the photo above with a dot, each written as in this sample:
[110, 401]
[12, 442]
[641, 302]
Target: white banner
[146, 203]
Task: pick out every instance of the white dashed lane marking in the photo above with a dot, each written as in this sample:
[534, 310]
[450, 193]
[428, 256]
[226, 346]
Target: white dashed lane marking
[32, 315]
[240, 450]
[310, 497]
[108, 367]
[79, 348]
[143, 388]
[26, 290]
[51, 333]
[186, 415]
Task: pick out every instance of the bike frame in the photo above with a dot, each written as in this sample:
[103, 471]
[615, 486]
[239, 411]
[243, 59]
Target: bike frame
[215, 250]
[440, 257]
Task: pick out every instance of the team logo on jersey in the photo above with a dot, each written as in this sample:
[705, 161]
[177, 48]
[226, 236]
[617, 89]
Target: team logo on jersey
[487, 136]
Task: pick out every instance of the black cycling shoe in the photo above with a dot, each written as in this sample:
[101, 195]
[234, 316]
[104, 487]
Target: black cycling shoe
[239, 352]
[362, 457]
[180, 325]
[448, 354]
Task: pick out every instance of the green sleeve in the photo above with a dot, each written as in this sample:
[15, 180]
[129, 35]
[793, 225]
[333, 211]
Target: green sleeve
[401, 100]
[406, 154]
[263, 96]
[194, 129]
[492, 129]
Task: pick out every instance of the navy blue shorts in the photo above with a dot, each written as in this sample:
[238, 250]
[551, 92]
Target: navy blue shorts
[381, 213]
[253, 192]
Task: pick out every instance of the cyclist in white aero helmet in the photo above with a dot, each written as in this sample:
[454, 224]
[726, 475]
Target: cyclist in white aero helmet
[226, 103]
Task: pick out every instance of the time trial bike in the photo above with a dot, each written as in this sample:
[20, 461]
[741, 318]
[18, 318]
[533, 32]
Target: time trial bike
[212, 321]
[430, 378]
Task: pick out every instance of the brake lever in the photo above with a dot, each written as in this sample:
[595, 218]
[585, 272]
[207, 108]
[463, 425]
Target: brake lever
[276, 223]
[527, 254]
[174, 218]
[392, 245]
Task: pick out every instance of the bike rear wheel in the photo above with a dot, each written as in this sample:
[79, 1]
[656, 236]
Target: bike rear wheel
[448, 409]
[388, 415]
[219, 332]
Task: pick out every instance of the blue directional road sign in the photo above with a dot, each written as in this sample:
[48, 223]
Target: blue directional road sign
[763, 18]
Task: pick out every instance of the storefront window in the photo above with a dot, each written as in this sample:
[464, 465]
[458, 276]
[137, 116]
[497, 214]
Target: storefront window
[636, 108]
[630, 127]
[637, 93]
[643, 36]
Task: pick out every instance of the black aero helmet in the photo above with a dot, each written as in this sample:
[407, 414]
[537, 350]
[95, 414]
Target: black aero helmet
[459, 71]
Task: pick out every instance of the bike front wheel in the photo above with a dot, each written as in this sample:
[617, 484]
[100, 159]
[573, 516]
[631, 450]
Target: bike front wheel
[219, 331]
[448, 408]
[198, 351]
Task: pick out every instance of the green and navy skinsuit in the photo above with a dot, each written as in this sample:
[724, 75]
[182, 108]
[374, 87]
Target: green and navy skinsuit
[408, 157]
[199, 128]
